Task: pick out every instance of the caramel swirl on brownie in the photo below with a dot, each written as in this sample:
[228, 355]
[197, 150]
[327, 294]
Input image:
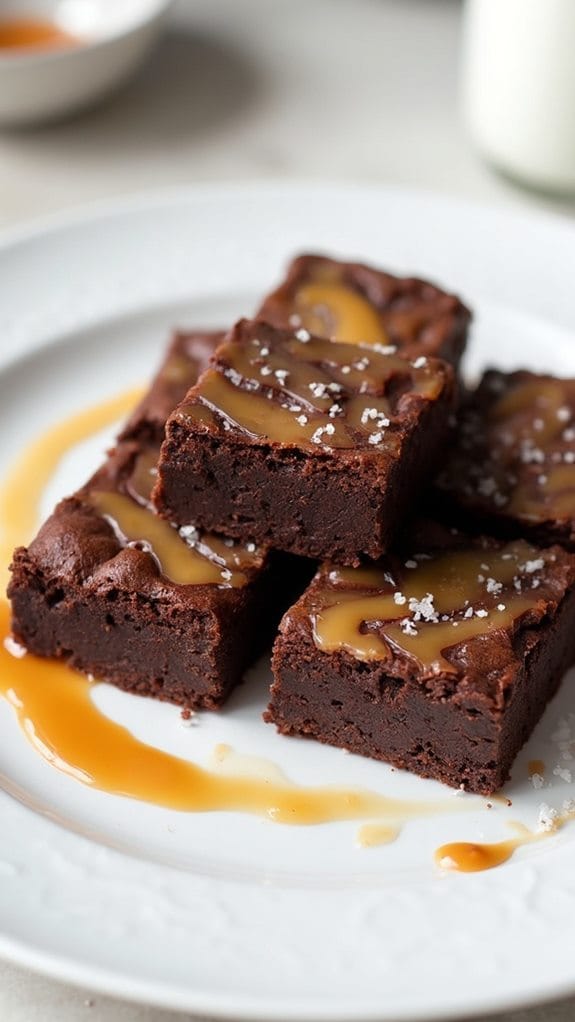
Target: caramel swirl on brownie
[439, 659]
[515, 460]
[293, 388]
[427, 604]
[305, 444]
[354, 303]
[121, 494]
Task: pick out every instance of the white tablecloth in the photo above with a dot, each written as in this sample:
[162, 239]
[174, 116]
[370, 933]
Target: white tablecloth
[341, 89]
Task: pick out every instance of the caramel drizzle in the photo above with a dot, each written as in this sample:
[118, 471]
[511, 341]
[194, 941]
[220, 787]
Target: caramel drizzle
[186, 556]
[140, 483]
[473, 857]
[357, 610]
[330, 309]
[310, 392]
[56, 713]
[135, 525]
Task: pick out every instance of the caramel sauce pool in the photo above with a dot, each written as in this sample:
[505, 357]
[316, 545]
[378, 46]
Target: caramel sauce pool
[469, 857]
[472, 857]
[34, 34]
[55, 710]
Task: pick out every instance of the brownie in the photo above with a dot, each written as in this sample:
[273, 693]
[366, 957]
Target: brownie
[440, 662]
[188, 354]
[309, 445]
[352, 302]
[512, 471]
[118, 593]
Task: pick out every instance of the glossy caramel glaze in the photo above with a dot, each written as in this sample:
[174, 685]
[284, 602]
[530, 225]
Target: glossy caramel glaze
[424, 606]
[472, 857]
[34, 34]
[186, 556]
[293, 388]
[331, 309]
[179, 561]
[516, 452]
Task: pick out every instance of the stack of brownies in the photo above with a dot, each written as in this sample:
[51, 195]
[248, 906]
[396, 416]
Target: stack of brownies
[315, 433]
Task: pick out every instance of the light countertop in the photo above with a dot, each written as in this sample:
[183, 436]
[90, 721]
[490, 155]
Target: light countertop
[362, 90]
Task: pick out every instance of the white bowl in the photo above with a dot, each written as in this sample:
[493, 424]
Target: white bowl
[115, 35]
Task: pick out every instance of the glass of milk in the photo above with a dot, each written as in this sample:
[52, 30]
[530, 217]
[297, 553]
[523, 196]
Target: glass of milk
[519, 87]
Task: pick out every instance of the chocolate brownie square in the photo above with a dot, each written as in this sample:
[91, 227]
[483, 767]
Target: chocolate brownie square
[352, 302]
[309, 445]
[119, 594]
[440, 661]
[513, 469]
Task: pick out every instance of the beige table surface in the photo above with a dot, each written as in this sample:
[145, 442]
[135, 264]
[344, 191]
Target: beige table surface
[363, 90]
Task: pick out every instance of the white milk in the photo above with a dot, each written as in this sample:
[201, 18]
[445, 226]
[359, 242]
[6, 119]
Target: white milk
[519, 87]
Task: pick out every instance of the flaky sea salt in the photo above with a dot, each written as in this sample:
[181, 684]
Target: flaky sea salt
[361, 363]
[423, 610]
[407, 627]
[486, 486]
[493, 587]
[547, 820]
[189, 533]
[367, 414]
[530, 566]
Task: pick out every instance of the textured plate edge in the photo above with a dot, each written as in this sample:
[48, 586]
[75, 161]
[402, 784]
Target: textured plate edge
[59, 967]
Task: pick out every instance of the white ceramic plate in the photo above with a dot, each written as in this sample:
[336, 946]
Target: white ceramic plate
[223, 914]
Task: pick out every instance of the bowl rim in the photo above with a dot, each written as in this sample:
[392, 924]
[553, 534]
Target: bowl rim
[156, 11]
